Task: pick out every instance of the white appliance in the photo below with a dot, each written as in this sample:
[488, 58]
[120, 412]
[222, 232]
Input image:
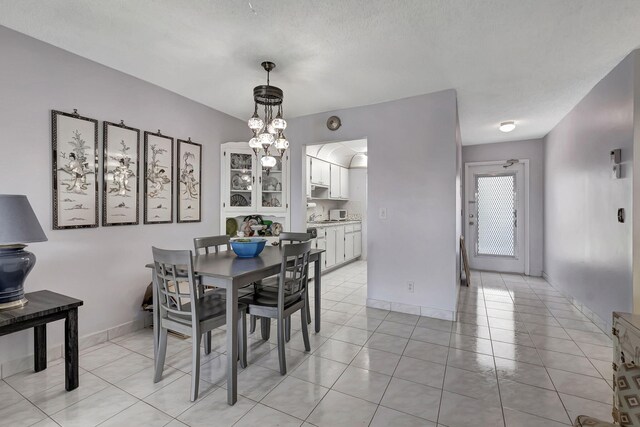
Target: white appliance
[337, 214]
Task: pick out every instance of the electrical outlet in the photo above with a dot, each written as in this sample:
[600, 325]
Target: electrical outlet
[410, 286]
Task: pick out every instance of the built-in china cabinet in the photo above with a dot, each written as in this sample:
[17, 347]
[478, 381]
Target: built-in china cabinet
[248, 188]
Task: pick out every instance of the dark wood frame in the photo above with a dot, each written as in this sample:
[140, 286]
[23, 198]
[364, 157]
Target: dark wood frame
[54, 162]
[105, 139]
[45, 307]
[178, 185]
[146, 152]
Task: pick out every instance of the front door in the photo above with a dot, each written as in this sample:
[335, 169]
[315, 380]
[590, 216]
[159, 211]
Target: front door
[495, 217]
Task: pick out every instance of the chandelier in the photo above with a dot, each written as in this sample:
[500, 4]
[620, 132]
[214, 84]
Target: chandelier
[268, 132]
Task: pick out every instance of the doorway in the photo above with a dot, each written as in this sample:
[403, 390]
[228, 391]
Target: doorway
[335, 185]
[496, 226]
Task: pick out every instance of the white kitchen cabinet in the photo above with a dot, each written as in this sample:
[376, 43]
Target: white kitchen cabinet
[330, 247]
[340, 240]
[320, 172]
[344, 183]
[357, 244]
[349, 246]
[334, 189]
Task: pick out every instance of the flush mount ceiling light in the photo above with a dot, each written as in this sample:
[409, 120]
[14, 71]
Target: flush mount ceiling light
[268, 131]
[507, 126]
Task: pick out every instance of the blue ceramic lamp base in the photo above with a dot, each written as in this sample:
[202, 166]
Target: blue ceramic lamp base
[15, 265]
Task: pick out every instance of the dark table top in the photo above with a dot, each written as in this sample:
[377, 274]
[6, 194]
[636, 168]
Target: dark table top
[41, 304]
[227, 264]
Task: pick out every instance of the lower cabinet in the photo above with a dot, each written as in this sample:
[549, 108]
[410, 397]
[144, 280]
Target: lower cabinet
[357, 244]
[341, 243]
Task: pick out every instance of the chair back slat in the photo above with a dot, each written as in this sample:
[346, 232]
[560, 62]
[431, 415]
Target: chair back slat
[294, 237]
[294, 274]
[173, 268]
[210, 243]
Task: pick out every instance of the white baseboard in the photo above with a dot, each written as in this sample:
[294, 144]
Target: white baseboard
[12, 367]
[437, 313]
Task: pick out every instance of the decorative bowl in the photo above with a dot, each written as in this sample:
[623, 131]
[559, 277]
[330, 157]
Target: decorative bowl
[248, 247]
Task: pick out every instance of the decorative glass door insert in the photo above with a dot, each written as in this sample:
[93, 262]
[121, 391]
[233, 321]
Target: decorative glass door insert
[496, 215]
[241, 179]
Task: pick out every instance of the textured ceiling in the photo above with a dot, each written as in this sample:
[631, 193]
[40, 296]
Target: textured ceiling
[524, 60]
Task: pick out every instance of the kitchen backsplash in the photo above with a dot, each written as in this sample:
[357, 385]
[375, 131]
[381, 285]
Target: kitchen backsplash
[322, 208]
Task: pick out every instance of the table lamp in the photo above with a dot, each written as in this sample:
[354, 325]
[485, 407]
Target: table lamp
[18, 225]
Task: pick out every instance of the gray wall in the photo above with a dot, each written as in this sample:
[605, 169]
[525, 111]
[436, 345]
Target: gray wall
[103, 266]
[412, 173]
[532, 149]
[587, 253]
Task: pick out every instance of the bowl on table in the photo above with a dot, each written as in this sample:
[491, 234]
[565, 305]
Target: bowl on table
[248, 247]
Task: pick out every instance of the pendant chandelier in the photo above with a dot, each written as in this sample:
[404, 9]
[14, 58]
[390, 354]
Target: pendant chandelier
[268, 132]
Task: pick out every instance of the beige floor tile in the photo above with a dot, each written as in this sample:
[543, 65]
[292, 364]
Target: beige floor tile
[261, 415]
[533, 400]
[412, 398]
[420, 371]
[457, 410]
[362, 383]
[386, 417]
[214, 406]
[319, 370]
[376, 360]
[341, 410]
[581, 385]
[295, 397]
[478, 385]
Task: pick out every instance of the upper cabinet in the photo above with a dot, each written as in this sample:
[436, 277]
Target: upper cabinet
[320, 172]
[326, 180]
[344, 183]
[334, 188]
[247, 187]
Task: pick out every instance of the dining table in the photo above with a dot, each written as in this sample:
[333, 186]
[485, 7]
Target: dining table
[226, 270]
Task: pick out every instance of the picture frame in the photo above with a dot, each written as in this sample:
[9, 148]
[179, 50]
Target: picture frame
[158, 178]
[74, 143]
[120, 174]
[189, 177]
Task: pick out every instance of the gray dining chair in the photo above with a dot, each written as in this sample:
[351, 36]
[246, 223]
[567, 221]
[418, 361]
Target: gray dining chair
[284, 238]
[214, 244]
[295, 237]
[210, 243]
[186, 310]
[290, 297]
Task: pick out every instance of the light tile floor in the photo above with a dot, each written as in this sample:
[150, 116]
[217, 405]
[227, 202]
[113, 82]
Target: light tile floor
[519, 355]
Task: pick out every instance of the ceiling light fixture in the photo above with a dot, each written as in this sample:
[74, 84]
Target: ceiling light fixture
[268, 131]
[507, 126]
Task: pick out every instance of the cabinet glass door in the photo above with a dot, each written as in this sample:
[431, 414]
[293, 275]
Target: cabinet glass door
[241, 180]
[272, 181]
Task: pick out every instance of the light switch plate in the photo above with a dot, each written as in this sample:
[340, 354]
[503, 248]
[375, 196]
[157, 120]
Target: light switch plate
[383, 213]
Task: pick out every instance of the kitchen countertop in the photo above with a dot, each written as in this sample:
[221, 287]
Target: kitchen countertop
[331, 223]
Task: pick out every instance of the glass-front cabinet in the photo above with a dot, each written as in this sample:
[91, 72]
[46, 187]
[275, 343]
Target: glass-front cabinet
[249, 187]
[272, 187]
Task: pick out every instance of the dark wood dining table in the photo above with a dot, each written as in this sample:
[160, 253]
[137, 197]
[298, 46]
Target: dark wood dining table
[226, 270]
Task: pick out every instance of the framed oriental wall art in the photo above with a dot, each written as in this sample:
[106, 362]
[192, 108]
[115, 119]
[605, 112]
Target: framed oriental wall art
[158, 178]
[75, 167]
[189, 181]
[120, 172]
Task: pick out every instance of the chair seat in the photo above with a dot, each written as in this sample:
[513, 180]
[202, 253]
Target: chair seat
[270, 299]
[585, 421]
[270, 284]
[210, 306]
